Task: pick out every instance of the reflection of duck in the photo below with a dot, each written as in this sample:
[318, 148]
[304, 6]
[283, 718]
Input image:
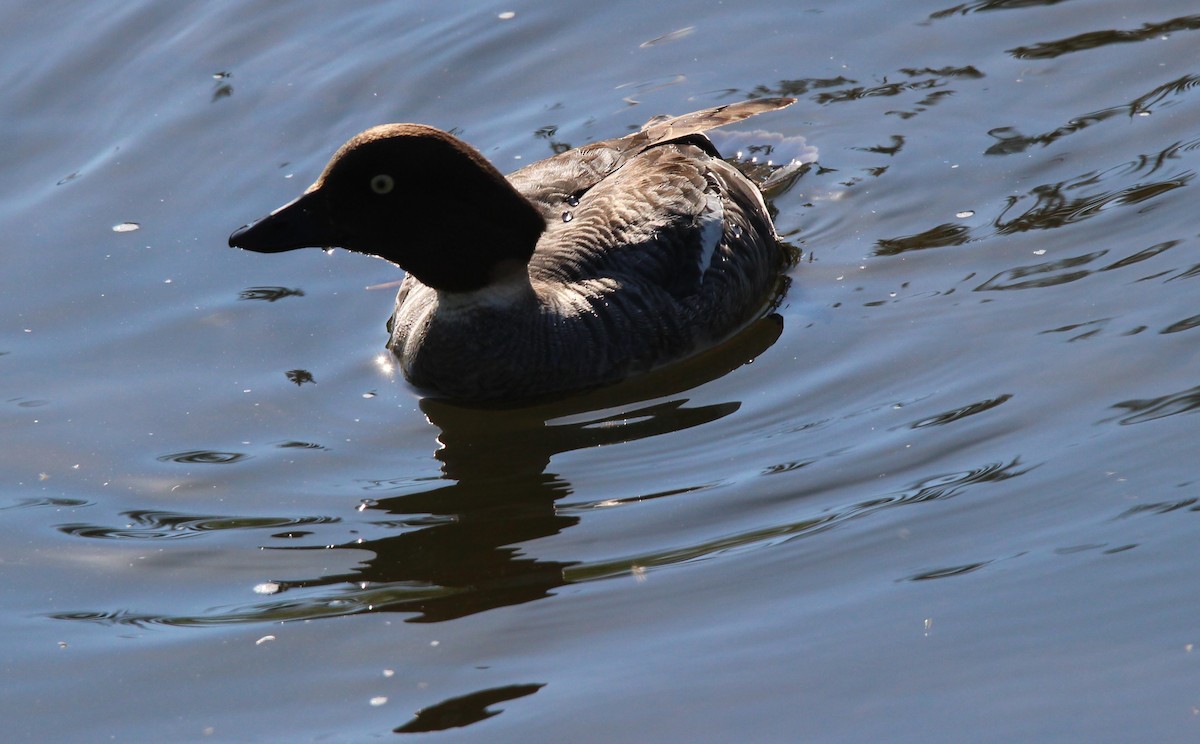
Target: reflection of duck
[466, 542]
[573, 272]
[465, 555]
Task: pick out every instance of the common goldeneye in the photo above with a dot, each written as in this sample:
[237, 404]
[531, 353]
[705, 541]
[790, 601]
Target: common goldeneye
[575, 271]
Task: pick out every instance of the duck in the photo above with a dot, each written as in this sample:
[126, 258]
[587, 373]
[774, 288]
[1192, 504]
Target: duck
[574, 272]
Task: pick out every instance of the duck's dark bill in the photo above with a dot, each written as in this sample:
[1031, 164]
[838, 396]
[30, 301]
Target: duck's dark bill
[298, 224]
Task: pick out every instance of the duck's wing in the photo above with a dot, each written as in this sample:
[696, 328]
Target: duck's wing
[656, 209]
[672, 219]
[550, 183]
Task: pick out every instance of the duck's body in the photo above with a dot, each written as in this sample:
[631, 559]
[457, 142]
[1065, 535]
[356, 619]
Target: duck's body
[573, 272]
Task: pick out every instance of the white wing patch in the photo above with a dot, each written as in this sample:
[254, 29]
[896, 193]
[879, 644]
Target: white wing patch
[712, 229]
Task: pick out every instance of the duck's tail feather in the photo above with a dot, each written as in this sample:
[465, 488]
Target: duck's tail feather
[663, 129]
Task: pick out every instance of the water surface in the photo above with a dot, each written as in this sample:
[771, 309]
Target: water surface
[945, 493]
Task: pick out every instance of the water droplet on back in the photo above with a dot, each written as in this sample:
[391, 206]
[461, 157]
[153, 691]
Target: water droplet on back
[573, 200]
[567, 217]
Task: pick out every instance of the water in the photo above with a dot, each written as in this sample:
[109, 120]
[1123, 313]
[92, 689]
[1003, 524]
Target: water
[944, 494]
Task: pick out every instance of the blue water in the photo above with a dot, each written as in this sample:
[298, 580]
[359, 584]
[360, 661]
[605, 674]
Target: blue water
[945, 494]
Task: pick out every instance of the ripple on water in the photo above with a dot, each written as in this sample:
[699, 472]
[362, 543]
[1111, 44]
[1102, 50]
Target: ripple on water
[159, 525]
[934, 488]
[941, 573]
[957, 414]
[1049, 206]
[1152, 409]
[293, 444]
[403, 578]
[57, 503]
[347, 600]
[204, 457]
[1043, 274]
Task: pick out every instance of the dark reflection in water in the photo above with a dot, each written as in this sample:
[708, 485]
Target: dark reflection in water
[270, 294]
[1190, 504]
[1142, 255]
[939, 236]
[845, 90]
[465, 710]
[204, 457]
[981, 6]
[158, 525]
[1053, 208]
[33, 503]
[499, 494]
[299, 376]
[1055, 205]
[942, 573]
[292, 444]
[1151, 409]
[467, 565]
[960, 413]
[457, 553]
[795, 88]
[454, 547]
[1185, 324]
[1087, 329]
[1043, 274]
[1095, 39]
[1012, 142]
[933, 488]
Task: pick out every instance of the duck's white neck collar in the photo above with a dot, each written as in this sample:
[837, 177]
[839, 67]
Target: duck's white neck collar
[509, 287]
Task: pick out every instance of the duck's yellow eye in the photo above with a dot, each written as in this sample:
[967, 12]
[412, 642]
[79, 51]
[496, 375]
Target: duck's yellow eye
[383, 184]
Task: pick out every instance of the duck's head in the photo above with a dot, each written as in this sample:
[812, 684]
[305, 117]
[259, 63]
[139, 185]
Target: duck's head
[412, 195]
